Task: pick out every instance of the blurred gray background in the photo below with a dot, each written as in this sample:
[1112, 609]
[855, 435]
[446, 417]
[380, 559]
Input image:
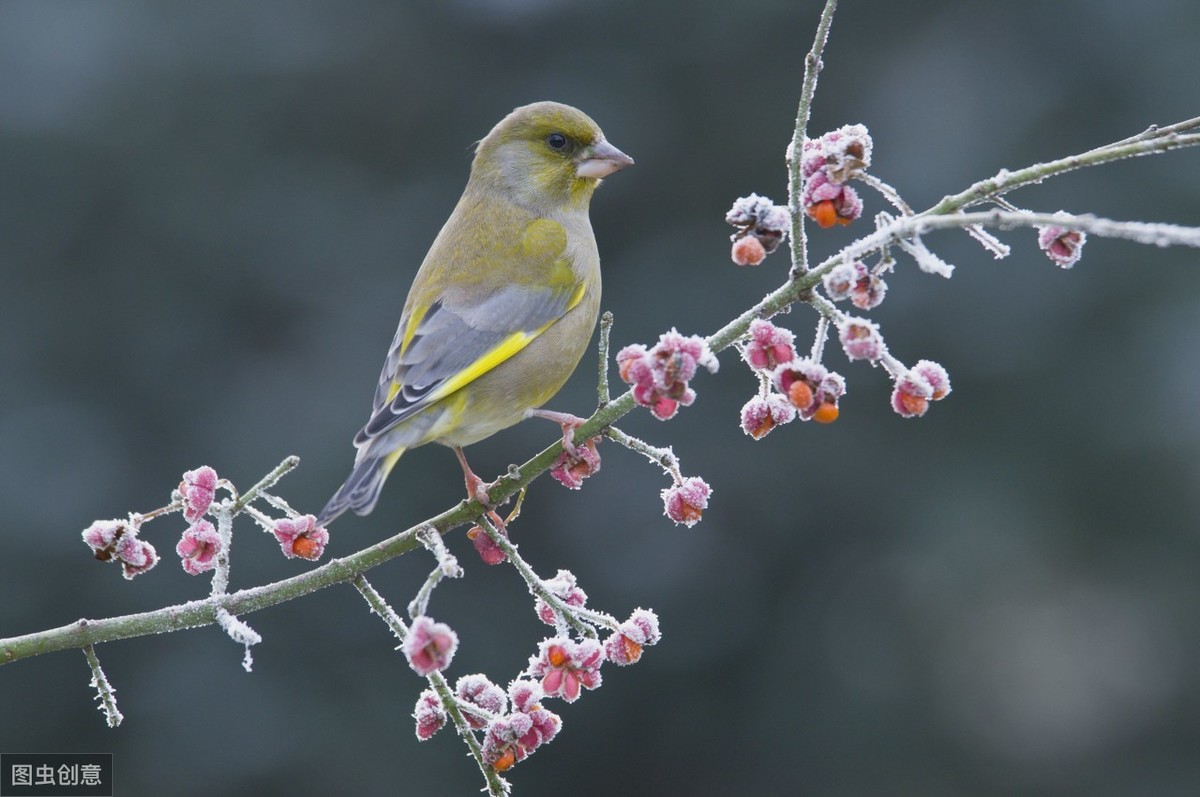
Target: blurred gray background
[210, 214]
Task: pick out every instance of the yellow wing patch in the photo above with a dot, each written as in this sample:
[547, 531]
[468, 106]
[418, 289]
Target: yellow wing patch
[496, 355]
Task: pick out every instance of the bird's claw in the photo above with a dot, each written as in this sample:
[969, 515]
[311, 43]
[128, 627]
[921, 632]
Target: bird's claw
[569, 424]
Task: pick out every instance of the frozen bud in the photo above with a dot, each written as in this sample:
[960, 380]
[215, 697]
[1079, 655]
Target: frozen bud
[638, 632]
[301, 537]
[868, 292]
[756, 211]
[501, 743]
[685, 502]
[566, 667]
[761, 414]
[812, 389]
[748, 251]
[910, 396]
[1061, 245]
[117, 541]
[430, 715]
[544, 725]
[198, 548]
[197, 490]
[103, 535]
[646, 624]
[525, 695]
[760, 220]
[137, 556]
[915, 388]
[832, 388]
[485, 546]
[937, 378]
[477, 690]
[860, 338]
[829, 203]
[677, 358]
[769, 345]
[429, 646]
[840, 154]
[563, 587]
[841, 279]
[634, 365]
[571, 468]
[854, 281]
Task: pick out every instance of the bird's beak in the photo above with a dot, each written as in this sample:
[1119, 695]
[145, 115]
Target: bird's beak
[601, 159]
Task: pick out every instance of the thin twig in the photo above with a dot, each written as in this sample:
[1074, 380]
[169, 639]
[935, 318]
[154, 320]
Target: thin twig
[104, 690]
[535, 584]
[496, 784]
[266, 482]
[602, 395]
[812, 68]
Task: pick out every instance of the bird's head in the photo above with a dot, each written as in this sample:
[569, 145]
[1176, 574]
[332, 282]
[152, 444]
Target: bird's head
[546, 156]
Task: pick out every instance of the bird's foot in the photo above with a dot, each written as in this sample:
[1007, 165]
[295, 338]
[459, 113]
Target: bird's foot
[569, 424]
[477, 488]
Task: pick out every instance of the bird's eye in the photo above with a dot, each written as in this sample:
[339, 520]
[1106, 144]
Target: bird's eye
[556, 141]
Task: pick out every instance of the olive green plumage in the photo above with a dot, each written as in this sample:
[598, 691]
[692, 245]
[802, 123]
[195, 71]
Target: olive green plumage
[503, 306]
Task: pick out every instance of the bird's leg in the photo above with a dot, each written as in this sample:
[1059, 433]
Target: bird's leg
[567, 421]
[477, 488]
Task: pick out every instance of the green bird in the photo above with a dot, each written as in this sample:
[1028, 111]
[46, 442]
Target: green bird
[504, 305]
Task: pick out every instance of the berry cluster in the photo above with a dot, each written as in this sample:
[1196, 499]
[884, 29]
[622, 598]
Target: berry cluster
[200, 547]
[516, 723]
[660, 375]
[827, 164]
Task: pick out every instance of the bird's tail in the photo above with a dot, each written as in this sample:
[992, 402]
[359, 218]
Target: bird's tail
[362, 487]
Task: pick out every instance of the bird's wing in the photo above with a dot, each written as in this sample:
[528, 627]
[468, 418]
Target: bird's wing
[449, 347]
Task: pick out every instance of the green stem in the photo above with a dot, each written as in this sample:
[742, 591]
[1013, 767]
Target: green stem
[266, 482]
[535, 583]
[812, 68]
[606, 321]
[1146, 144]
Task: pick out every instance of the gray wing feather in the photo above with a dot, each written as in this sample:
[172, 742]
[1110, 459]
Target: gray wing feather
[448, 340]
